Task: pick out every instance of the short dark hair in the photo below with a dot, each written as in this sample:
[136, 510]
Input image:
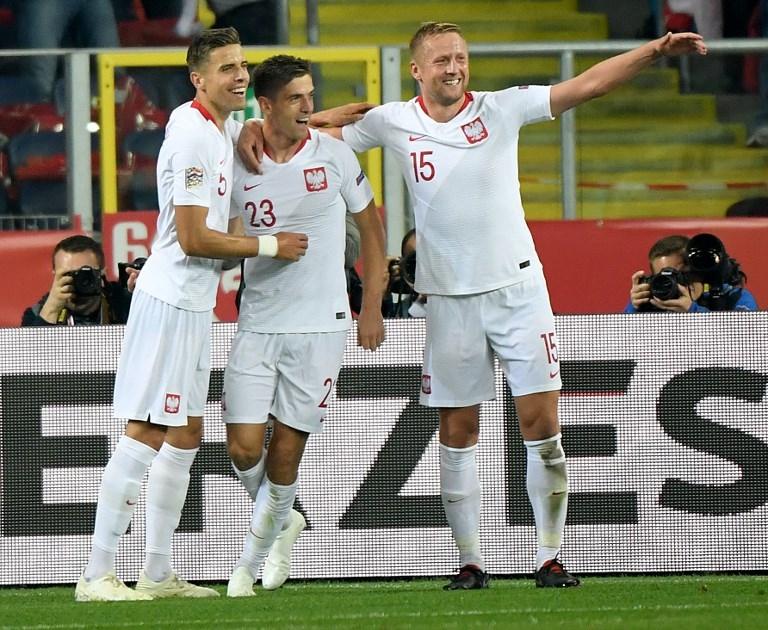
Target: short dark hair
[274, 73]
[206, 41]
[667, 246]
[76, 244]
[428, 29]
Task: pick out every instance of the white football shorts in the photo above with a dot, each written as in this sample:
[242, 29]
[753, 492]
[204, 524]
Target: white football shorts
[287, 375]
[165, 364]
[464, 332]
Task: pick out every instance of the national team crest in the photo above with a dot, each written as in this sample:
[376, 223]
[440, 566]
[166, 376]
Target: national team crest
[315, 179]
[426, 384]
[475, 131]
[193, 177]
[172, 403]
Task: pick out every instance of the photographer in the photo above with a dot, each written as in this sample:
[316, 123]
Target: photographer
[401, 299]
[690, 275]
[80, 294]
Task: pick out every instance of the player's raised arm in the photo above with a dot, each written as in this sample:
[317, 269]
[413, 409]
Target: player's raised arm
[615, 71]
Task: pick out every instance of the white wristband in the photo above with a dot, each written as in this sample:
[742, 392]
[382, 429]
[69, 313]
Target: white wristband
[267, 246]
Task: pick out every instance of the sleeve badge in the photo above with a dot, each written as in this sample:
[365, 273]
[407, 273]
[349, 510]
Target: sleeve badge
[193, 177]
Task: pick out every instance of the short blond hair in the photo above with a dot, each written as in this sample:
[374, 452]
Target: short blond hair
[428, 29]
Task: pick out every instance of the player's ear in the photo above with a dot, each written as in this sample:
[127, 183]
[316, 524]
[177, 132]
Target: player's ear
[415, 71]
[197, 80]
[265, 105]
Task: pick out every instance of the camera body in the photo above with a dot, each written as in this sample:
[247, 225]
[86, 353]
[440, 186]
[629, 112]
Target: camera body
[708, 260]
[407, 266]
[664, 285]
[86, 281]
[122, 270]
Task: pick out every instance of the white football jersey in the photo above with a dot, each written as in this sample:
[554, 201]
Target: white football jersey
[463, 182]
[311, 194]
[194, 168]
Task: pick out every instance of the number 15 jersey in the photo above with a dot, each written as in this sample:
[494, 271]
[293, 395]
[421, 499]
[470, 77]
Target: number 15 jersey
[463, 182]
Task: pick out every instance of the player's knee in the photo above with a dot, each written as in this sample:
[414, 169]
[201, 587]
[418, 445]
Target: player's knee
[186, 437]
[243, 456]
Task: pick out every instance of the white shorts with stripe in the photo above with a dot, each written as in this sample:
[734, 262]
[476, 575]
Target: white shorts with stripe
[287, 375]
[165, 363]
[464, 332]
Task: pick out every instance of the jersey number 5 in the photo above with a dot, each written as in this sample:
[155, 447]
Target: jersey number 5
[267, 210]
[423, 169]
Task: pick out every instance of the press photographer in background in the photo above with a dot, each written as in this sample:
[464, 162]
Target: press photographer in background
[693, 275]
[402, 300]
[80, 293]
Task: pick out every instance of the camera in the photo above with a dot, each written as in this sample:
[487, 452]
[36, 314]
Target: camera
[664, 285]
[86, 281]
[707, 259]
[407, 265]
[408, 268]
[122, 270]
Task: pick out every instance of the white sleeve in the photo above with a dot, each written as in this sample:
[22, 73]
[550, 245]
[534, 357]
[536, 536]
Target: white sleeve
[368, 133]
[526, 103]
[192, 172]
[355, 187]
[235, 202]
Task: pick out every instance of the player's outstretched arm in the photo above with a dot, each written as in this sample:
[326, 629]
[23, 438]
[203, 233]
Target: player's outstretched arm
[341, 115]
[250, 142]
[370, 325]
[611, 73]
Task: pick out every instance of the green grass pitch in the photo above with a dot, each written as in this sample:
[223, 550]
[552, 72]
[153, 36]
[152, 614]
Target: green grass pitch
[698, 601]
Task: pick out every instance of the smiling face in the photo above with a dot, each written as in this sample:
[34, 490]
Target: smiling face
[287, 113]
[440, 64]
[221, 81]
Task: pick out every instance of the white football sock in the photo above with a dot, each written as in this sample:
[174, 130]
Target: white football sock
[270, 510]
[461, 493]
[166, 491]
[547, 483]
[252, 477]
[118, 494]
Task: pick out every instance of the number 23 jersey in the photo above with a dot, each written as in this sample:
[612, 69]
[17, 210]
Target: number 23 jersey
[310, 194]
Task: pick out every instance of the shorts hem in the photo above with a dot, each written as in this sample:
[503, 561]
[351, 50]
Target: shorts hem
[315, 428]
[162, 420]
[454, 403]
[540, 389]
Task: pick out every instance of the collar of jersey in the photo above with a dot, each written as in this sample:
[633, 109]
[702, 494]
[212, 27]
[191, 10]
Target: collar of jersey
[298, 148]
[205, 113]
[468, 98]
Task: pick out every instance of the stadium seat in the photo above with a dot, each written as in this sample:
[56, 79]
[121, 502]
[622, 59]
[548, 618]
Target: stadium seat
[29, 117]
[141, 149]
[38, 155]
[43, 155]
[17, 89]
[38, 198]
[135, 111]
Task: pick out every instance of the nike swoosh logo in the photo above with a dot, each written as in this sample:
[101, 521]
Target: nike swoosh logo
[454, 500]
[555, 373]
[246, 188]
[413, 138]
